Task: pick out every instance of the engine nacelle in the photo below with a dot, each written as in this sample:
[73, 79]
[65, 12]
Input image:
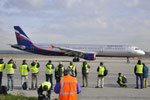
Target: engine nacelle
[89, 56]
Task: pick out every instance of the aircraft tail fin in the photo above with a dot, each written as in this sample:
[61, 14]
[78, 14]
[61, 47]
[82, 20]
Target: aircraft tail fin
[22, 38]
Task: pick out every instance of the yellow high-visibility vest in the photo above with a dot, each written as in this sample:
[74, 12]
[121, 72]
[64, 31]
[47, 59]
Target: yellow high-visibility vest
[1, 67]
[24, 70]
[9, 69]
[139, 69]
[48, 69]
[101, 70]
[34, 69]
[72, 67]
[46, 83]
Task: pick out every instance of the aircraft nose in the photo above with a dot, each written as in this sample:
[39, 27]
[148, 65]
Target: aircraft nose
[141, 52]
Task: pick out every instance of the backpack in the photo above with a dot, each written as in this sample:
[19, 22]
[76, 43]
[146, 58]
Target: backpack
[124, 79]
[24, 86]
[60, 72]
[3, 90]
[84, 69]
[105, 72]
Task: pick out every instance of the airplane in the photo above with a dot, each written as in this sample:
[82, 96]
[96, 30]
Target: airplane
[85, 51]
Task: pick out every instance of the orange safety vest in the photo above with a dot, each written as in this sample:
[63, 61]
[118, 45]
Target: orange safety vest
[68, 88]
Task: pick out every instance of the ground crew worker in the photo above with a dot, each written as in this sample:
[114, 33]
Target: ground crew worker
[85, 70]
[121, 81]
[10, 66]
[145, 76]
[24, 69]
[45, 86]
[2, 67]
[59, 71]
[138, 70]
[68, 87]
[73, 68]
[49, 72]
[35, 71]
[101, 70]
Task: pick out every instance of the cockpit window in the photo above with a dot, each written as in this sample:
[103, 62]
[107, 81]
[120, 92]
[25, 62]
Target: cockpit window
[137, 49]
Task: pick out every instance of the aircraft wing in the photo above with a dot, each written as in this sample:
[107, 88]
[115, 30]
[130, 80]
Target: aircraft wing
[73, 52]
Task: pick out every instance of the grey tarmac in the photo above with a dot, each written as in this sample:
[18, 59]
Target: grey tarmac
[111, 90]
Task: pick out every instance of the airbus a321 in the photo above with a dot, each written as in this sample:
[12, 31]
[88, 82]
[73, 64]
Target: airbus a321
[85, 51]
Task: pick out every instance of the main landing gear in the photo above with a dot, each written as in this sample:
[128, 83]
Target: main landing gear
[76, 59]
[128, 61]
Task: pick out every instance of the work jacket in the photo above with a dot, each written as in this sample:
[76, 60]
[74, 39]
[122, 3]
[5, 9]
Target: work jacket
[68, 88]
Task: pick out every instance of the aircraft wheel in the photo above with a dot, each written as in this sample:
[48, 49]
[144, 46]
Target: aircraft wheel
[76, 59]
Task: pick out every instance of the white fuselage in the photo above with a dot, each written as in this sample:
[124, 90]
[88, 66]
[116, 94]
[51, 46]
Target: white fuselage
[101, 50]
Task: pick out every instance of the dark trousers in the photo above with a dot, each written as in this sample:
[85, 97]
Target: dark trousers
[57, 79]
[141, 80]
[85, 78]
[50, 78]
[1, 75]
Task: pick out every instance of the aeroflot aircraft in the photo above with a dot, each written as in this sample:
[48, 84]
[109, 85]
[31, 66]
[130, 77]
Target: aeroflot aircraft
[87, 52]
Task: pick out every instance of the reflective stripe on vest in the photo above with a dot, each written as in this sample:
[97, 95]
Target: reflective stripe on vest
[9, 69]
[101, 70]
[24, 70]
[34, 69]
[69, 83]
[139, 69]
[86, 66]
[46, 83]
[48, 69]
[1, 67]
[72, 67]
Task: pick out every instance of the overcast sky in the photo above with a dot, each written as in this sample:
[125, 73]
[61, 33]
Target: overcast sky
[77, 21]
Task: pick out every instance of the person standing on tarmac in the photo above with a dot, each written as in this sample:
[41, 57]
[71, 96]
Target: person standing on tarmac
[138, 70]
[2, 67]
[145, 76]
[85, 70]
[10, 66]
[45, 86]
[35, 71]
[101, 71]
[73, 68]
[59, 72]
[24, 69]
[122, 81]
[68, 87]
[49, 72]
